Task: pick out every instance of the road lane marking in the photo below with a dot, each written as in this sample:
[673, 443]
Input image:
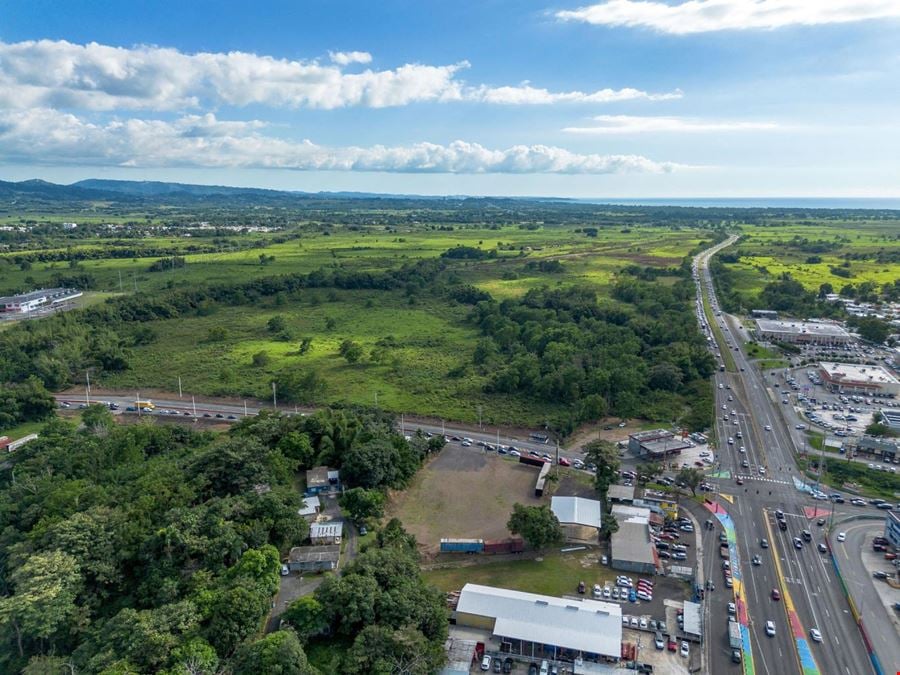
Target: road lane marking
[804, 656]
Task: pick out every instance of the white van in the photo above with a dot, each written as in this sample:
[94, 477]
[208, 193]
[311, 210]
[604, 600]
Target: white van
[545, 667]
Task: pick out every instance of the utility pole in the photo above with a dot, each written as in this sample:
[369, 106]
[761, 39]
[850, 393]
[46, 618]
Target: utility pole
[401, 425]
[137, 402]
[274, 397]
[376, 398]
[479, 417]
[179, 387]
[245, 408]
[194, 405]
[120, 281]
[87, 388]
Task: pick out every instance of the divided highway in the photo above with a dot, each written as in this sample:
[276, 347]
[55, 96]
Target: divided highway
[753, 484]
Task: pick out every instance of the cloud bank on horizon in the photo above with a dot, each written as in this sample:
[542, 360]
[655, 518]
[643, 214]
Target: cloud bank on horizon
[204, 141]
[636, 94]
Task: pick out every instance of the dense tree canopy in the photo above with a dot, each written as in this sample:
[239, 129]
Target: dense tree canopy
[640, 357]
[148, 548]
[538, 525]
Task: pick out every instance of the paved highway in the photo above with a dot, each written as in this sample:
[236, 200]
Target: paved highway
[234, 412]
[804, 574]
[882, 623]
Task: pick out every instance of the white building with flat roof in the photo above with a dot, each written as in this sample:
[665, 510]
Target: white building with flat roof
[543, 626]
[802, 332]
[852, 378]
[28, 302]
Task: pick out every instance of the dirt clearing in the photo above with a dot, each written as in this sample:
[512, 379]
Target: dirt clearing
[465, 493]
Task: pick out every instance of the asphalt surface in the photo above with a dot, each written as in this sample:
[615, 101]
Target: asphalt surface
[805, 575]
[857, 561]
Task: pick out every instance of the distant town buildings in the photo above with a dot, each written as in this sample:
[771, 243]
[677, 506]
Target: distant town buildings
[39, 299]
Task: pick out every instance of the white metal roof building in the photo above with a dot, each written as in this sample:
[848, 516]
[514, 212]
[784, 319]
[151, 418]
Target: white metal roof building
[630, 546]
[587, 627]
[810, 332]
[326, 533]
[577, 511]
[692, 624]
[891, 418]
[853, 378]
[310, 508]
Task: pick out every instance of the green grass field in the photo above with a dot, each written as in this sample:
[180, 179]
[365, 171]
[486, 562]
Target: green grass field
[428, 367]
[771, 250]
[554, 574]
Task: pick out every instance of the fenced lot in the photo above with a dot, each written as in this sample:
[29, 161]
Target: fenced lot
[463, 492]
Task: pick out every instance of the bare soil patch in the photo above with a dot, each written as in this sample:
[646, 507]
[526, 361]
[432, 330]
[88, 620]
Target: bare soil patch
[463, 493]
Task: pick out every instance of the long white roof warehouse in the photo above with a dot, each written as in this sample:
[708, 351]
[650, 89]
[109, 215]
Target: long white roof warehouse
[586, 626]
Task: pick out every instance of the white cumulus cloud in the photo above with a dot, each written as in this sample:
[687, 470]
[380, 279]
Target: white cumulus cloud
[46, 136]
[700, 16]
[64, 75]
[628, 124]
[346, 58]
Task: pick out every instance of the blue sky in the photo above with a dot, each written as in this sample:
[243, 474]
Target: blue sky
[665, 98]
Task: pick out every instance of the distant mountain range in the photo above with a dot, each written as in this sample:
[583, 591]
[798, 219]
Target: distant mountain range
[38, 194]
[36, 191]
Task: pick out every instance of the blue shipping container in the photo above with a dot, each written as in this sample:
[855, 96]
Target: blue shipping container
[462, 545]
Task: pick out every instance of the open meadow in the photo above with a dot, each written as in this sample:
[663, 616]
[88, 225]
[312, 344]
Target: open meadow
[815, 253]
[415, 348]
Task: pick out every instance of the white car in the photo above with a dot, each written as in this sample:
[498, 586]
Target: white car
[815, 634]
[285, 571]
[643, 623]
[770, 628]
[732, 609]
[768, 428]
[644, 595]
[486, 662]
[685, 650]
[841, 536]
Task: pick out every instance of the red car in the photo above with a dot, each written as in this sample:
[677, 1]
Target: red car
[775, 594]
[564, 462]
[671, 645]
